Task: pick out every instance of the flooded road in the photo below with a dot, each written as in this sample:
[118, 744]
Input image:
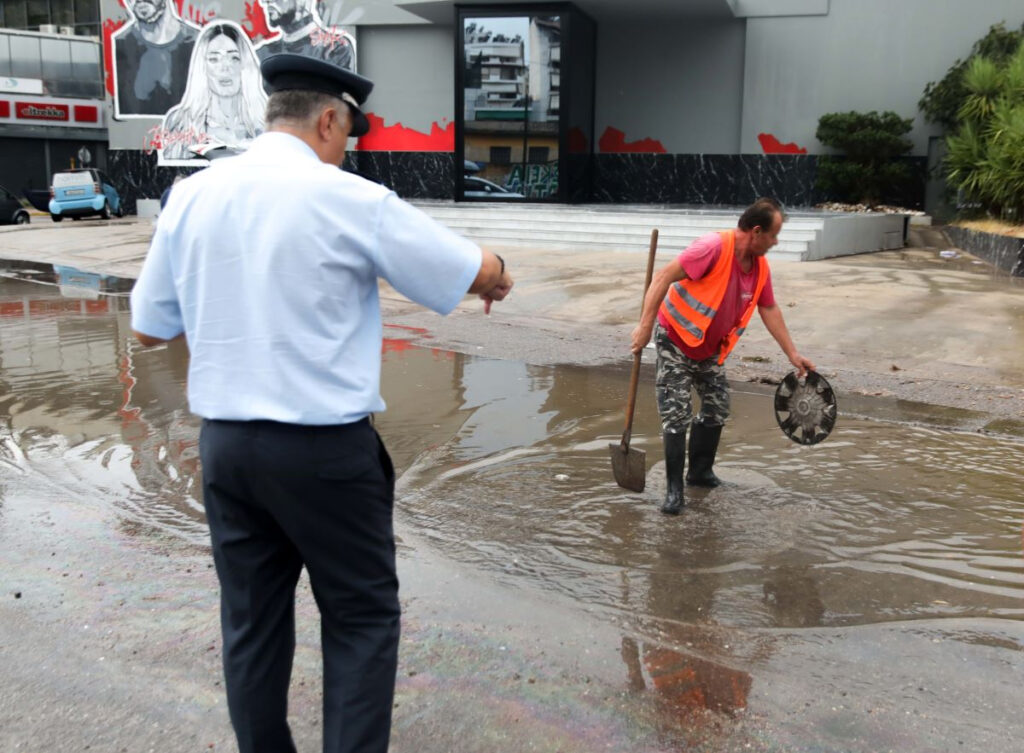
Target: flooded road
[862, 594]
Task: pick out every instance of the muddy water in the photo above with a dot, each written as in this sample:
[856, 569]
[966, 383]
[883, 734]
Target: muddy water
[884, 527]
[883, 522]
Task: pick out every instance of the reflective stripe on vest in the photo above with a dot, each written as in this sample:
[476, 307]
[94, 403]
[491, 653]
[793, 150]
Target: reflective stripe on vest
[690, 305]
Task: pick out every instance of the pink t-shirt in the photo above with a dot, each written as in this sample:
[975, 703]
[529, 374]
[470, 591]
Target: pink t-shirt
[699, 259]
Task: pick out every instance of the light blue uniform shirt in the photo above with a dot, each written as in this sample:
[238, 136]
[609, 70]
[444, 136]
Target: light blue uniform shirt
[268, 262]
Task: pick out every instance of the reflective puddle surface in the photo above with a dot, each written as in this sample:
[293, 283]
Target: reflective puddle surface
[884, 560]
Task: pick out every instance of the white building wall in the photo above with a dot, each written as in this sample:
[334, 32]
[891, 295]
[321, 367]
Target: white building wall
[864, 55]
[412, 68]
[680, 83]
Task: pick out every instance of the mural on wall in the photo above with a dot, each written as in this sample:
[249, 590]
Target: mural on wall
[224, 100]
[303, 32]
[151, 59]
[184, 75]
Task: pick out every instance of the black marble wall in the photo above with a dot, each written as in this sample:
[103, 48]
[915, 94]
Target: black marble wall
[724, 179]
[1002, 251]
[716, 179]
[412, 175]
[136, 176]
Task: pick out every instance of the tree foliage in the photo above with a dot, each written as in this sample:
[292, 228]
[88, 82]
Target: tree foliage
[985, 151]
[873, 144]
[943, 99]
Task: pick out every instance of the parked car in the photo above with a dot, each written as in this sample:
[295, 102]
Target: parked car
[11, 210]
[83, 192]
[481, 188]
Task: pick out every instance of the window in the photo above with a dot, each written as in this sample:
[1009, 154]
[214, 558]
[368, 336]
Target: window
[501, 155]
[5, 56]
[538, 155]
[15, 15]
[56, 54]
[25, 60]
[38, 13]
[512, 112]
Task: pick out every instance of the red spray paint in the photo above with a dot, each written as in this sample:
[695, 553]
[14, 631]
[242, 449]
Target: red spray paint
[772, 145]
[398, 138]
[255, 23]
[109, 27]
[613, 141]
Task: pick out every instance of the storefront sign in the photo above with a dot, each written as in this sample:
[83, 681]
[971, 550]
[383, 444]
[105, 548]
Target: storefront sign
[42, 111]
[21, 85]
[87, 114]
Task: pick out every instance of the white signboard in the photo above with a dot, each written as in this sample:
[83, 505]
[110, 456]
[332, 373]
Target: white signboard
[21, 85]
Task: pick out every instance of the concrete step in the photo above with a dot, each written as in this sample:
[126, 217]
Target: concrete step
[666, 233]
[607, 241]
[501, 212]
[807, 235]
[568, 240]
[604, 220]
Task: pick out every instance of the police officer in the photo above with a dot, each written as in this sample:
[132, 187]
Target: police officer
[703, 300]
[267, 263]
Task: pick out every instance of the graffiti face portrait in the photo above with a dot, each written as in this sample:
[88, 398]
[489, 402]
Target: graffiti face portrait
[281, 12]
[224, 66]
[303, 33]
[147, 11]
[224, 100]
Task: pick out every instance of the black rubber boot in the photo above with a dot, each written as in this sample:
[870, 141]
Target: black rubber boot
[703, 447]
[675, 464]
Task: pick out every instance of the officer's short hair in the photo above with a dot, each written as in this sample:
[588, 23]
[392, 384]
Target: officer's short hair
[761, 214]
[286, 71]
[299, 105]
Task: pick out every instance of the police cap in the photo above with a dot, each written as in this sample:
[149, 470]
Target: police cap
[287, 70]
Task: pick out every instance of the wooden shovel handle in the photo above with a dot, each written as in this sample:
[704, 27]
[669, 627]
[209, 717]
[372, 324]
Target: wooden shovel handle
[634, 379]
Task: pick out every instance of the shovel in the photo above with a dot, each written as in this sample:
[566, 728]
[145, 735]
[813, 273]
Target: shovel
[630, 465]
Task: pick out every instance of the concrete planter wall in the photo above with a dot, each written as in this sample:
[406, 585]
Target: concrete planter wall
[1001, 251]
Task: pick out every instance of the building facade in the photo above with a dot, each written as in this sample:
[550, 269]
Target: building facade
[52, 108]
[651, 101]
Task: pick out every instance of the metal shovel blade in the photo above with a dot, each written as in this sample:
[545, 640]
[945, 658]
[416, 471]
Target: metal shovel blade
[629, 466]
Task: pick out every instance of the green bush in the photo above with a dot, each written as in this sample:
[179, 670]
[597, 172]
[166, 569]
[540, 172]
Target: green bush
[872, 144]
[942, 100]
[985, 152]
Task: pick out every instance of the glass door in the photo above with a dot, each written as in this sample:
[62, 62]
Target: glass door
[511, 105]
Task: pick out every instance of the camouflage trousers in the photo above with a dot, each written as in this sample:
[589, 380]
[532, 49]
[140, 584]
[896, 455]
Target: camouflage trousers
[677, 376]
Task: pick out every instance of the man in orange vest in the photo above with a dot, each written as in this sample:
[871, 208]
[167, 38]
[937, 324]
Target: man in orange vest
[702, 301]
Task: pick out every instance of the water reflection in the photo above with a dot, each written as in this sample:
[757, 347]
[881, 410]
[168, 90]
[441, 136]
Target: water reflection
[686, 683]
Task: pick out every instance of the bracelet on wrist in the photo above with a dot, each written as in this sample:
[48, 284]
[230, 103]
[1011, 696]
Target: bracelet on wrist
[502, 264]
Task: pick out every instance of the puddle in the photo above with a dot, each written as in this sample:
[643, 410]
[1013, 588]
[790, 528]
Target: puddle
[506, 470]
[506, 467]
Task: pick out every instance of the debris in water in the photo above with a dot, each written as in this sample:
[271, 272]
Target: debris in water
[561, 477]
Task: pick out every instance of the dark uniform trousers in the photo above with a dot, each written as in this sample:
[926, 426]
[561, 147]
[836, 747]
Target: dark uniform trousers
[279, 497]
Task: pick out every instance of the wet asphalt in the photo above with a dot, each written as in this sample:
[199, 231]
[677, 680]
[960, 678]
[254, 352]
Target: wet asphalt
[860, 596]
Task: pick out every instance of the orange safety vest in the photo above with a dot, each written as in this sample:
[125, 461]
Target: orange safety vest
[690, 305]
